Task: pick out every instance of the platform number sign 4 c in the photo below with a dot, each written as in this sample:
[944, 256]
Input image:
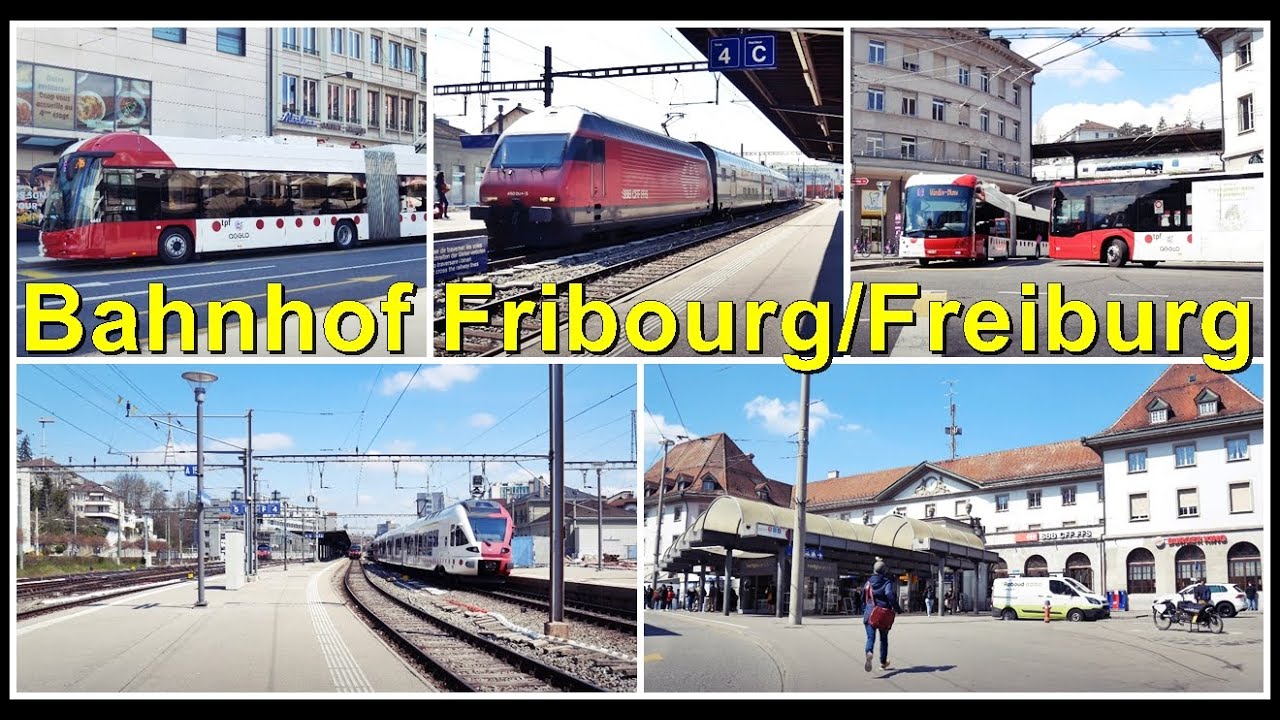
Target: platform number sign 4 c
[742, 52]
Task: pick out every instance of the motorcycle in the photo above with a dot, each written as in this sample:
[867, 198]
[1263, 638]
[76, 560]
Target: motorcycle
[1166, 613]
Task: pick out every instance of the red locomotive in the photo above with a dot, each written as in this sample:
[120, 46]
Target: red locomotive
[562, 174]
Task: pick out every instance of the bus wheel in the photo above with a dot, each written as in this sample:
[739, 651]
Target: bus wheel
[1149, 263]
[344, 235]
[923, 262]
[176, 246]
[1117, 253]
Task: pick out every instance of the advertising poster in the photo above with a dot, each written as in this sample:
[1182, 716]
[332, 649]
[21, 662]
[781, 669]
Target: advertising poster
[54, 91]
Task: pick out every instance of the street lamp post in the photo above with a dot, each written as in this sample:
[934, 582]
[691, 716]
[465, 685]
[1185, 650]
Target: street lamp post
[198, 380]
[662, 490]
[599, 519]
[884, 211]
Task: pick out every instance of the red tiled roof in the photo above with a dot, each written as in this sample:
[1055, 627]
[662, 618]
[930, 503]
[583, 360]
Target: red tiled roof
[719, 456]
[1091, 125]
[1179, 386]
[1029, 462]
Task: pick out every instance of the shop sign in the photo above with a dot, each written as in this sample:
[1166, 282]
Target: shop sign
[293, 118]
[1192, 540]
[769, 531]
[59, 98]
[1052, 536]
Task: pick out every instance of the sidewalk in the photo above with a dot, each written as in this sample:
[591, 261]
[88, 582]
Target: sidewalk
[877, 261]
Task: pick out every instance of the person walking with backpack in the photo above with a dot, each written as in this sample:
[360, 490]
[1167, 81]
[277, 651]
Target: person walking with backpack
[882, 605]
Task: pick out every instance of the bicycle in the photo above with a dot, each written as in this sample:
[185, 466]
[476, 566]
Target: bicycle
[863, 247]
[890, 248]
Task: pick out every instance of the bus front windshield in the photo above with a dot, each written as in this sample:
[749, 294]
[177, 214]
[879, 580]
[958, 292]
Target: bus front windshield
[938, 211]
[73, 194]
[489, 529]
[530, 151]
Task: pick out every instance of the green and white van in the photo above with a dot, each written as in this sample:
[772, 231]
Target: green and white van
[1024, 597]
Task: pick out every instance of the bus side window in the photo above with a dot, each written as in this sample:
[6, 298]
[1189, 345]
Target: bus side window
[149, 193]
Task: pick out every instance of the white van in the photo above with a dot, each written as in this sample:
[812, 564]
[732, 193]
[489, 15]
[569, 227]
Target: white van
[1024, 597]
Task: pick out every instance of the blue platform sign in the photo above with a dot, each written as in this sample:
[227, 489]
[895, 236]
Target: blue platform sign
[189, 470]
[459, 256]
[759, 52]
[742, 52]
[724, 53]
[268, 508]
[236, 508]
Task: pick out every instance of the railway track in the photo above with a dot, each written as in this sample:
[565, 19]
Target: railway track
[90, 588]
[610, 618]
[463, 660]
[606, 275]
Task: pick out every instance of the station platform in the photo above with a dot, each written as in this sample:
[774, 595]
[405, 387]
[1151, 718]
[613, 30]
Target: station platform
[287, 631]
[586, 575]
[459, 224]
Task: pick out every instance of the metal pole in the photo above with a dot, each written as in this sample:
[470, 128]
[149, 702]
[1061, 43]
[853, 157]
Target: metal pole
[662, 487]
[557, 488]
[284, 508]
[250, 541]
[200, 601]
[145, 547]
[599, 523]
[797, 540]
[546, 76]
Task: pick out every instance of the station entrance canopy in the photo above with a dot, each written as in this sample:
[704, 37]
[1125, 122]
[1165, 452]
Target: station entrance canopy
[755, 530]
[804, 96]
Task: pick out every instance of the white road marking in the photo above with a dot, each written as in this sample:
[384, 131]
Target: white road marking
[1135, 295]
[171, 277]
[343, 668]
[1246, 297]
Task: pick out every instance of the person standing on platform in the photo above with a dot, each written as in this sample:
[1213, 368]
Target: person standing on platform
[1251, 596]
[880, 593]
[442, 195]
[928, 600]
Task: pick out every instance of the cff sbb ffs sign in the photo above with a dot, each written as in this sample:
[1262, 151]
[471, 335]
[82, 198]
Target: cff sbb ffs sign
[1192, 540]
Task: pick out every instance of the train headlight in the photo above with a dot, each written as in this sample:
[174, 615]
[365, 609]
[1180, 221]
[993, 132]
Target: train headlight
[506, 550]
[547, 198]
[489, 198]
[473, 548]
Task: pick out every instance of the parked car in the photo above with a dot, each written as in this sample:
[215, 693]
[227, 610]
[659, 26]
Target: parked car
[1228, 598]
[264, 552]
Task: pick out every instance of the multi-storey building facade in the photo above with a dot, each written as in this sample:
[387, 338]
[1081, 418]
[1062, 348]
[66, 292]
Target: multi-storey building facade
[1246, 94]
[1187, 489]
[938, 100]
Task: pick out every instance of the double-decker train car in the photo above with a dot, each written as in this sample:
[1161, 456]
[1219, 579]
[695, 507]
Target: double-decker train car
[562, 174]
[471, 538]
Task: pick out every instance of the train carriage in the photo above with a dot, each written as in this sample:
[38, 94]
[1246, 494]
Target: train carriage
[471, 538]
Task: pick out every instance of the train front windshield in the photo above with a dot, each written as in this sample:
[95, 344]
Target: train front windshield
[938, 211]
[530, 151]
[491, 529]
[73, 195]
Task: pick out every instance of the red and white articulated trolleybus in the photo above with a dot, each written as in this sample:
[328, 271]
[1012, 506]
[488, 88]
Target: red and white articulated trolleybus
[1148, 220]
[124, 195]
[962, 217]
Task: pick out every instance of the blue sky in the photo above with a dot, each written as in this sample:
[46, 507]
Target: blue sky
[872, 417]
[1137, 77]
[318, 407]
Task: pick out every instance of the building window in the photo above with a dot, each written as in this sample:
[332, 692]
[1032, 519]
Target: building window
[1069, 495]
[310, 98]
[309, 41]
[1208, 407]
[1068, 523]
[1241, 497]
[900, 511]
[908, 148]
[1017, 130]
[408, 59]
[866, 517]
[1188, 565]
[335, 102]
[984, 80]
[1237, 449]
[984, 121]
[1139, 507]
[1000, 162]
[406, 116]
[675, 516]
[1141, 571]
[875, 52]
[930, 509]
[1159, 415]
[1033, 499]
[393, 55]
[335, 40]
[1244, 107]
[1016, 163]
[374, 106]
[875, 99]
[288, 93]
[962, 76]
[1000, 125]
[422, 66]
[1033, 526]
[1188, 503]
[375, 49]
[908, 105]
[875, 144]
[708, 485]
[939, 109]
[393, 112]
[1003, 528]
[939, 150]
[962, 508]
[1036, 566]
[1244, 565]
[983, 159]
[176, 35]
[910, 60]
[1184, 455]
[1101, 497]
[422, 121]
[231, 41]
[1017, 97]
[353, 105]
[1002, 503]
[355, 41]
[1244, 54]
[289, 38]
[1137, 461]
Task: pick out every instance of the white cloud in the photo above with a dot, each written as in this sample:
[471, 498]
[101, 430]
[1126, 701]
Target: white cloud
[656, 428]
[1128, 42]
[1077, 68]
[481, 420]
[438, 377]
[1204, 104]
[851, 427]
[782, 418]
[271, 441]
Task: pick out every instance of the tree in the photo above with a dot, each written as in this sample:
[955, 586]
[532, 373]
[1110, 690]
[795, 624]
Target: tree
[24, 448]
[1162, 125]
[1187, 122]
[132, 488]
[1126, 130]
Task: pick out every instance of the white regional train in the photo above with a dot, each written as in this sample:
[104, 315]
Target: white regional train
[1129, 167]
[471, 538]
